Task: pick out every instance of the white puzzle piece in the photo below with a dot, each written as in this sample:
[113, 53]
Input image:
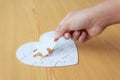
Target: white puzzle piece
[64, 54]
[46, 41]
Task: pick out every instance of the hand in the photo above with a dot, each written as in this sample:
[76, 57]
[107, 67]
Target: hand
[87, 23]
[79, 25]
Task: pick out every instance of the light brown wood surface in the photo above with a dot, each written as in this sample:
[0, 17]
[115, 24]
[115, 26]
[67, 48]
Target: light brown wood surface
[23, 21]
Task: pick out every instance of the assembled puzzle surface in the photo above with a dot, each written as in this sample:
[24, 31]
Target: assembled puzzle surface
[47, 53]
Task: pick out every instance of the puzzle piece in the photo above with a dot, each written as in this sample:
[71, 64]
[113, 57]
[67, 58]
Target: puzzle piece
[45, 46]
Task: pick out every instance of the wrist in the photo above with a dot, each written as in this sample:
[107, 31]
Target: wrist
[106, 13]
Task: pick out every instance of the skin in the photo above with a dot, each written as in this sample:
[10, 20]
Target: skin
[87, 23]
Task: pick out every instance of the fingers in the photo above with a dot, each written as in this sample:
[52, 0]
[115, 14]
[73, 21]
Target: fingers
[83, 37]
[67, 35]
[60, 31]
[76, 35]
[80, 35]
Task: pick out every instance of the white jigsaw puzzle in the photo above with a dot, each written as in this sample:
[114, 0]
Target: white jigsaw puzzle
[65, 52]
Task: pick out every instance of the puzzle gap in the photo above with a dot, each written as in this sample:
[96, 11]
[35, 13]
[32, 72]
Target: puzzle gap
[40, 54]
[34, 50]
[50, 50]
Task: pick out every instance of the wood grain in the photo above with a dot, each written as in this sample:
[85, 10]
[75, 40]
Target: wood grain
[23, 21]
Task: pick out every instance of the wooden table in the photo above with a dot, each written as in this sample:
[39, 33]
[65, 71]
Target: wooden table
[23, 21]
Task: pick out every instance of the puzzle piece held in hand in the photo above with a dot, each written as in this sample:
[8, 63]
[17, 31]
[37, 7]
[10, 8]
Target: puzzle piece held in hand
[46, 44]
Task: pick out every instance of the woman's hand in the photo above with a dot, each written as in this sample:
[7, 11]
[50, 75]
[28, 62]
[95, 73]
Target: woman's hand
[86, 23]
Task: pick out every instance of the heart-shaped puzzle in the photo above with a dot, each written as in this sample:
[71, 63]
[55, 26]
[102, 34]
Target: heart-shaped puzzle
[47, 53]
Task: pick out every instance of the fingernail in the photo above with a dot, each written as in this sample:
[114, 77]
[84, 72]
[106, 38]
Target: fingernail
[55, 37]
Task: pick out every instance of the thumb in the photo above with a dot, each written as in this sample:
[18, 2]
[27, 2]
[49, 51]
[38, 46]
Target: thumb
[60, 31]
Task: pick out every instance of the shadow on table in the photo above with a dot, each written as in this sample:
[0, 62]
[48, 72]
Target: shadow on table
[100, 44]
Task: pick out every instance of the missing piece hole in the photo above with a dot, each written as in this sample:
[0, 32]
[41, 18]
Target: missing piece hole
[34, 50]
[50, 50]
[40, 54]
